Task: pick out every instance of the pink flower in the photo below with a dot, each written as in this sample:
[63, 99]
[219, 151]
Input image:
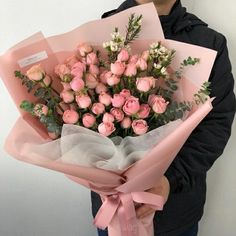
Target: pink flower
[66, 86]
[144, 111]
[98, 108]
[78, 69]
[141, 64]
[67, 96]
[35, 73]
[70, 117]
[83, 101]
[104, 98]
[125, 93]
[131, 106]
[93, 69]
[117, 68]
[144, 84]
[91, 81]
[61, 70]
[88, 120]
[92, 58]
[40, 109]
[84, 49]
[123, 55]
[158, 104]
[139, 127]
[77, 84]
[131, 70]
[133, 59]
[70, 61]
[126, 123]
[100, 88]
[118, 114]
[106, 128]
[117, 100]
[145, 55]
[63, 106]
[113, 80]
[107, 117]
[104, 75]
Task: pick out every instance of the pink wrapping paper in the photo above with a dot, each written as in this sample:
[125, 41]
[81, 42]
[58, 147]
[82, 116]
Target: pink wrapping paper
[117, 191]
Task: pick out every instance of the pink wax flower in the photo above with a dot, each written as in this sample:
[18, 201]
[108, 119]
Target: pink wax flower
[141, 64]
[107, 117]
[84, 49]
[91, 81]
[98, 108]
[36, 73]
[158, 103]
[70, 117]
[92, 59]
[131, 106]
[101, 88]
[125, 93]
[131, 70]
[93, 69]
[88, 120]
[117, 100]
[144, 111]
[40, 109]
[106, 128]
[113, 80]
[139, 127]
[123, 55]
[83, 101]
[117, 68]
[126, 123]
[67, 96]
[104, 98]
[77, 84]
[144, 84]
[118, 114]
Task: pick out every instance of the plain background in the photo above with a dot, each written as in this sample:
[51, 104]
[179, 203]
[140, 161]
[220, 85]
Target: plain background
[39, 202]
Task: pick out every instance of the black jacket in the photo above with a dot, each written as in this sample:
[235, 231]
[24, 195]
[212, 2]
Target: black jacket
[187, 173]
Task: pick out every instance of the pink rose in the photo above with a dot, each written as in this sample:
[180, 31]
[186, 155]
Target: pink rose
[117, 68]
[131, 70]
[66, 86]
[106, 128]
[40, 109]
[35, 73]
[78, 69]
[84, 49]
[126, 123]
[61, 70]
[113, 80]
[141, 64]
[77, 84]
[158, 104]
[118, 114]
[70, 61]
[101, 88]
[125, 93]
[123, 55]
[117, 100]
[104, 75]
[92, 58]
[88, 120]
[67, 96]
[83, 101]
[145, 55]
[98, 108]
[62, 108]
[107, 117]
[133, 59]
[93, 69]
[91, 81]
[70, 117]
[144, 84]
[131, 106]
[104, 98]
[144, 111]
[139, 127]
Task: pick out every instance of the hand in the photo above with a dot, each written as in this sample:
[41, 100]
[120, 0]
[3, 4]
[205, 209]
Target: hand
[163, 189]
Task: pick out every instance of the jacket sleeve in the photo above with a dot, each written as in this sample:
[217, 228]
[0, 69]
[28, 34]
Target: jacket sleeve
[208, 140]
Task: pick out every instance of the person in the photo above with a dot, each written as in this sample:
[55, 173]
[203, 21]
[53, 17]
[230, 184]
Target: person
[184, 183]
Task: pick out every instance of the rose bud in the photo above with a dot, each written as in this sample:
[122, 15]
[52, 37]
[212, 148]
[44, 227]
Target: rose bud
[104, 98]
[117, 68]
[145, 55]
[117, 100]
[125, 93]
[159, 104]
[67, 96]
[123, 55]
[141, 64]
[83, 101]
[101, 88]
[113, 80]
[36, 73]
[126, 123]
[118, 114]
[66, 86]
[61, 70]
[133, 59]
[93, 69]
[70, 117]
[131, 106]
[104, 75]
[98, 108]
[71, 61]
[88, 120]
[107, 117]
[92, 59]
[77, 84]
[106, 129]
[91, 81]
[139, 127]
[84, 49]
[144, 84]
[62, 108]
[144, 111]
[131, 70]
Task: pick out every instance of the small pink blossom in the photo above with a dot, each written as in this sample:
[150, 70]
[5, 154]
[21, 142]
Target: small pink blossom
[126, 123]
[131, 70]
[118, 114]
[131, 106]
[107, 117]
[117, 68]
[106, 128]
[67, 96]
[83, 101]
[144, 111]
[117, 100]
[139, 127]
[77, 84]
[123, 55]
[70, 117]
[88, 120]
[104, 98]
[98, 108]
[144, 84]
[36, 73]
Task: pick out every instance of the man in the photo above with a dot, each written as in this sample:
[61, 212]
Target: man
[184, 183]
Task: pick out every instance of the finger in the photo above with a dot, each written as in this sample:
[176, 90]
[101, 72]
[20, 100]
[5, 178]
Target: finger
[142, 210]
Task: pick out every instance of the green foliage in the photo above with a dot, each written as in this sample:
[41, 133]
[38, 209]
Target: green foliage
[202, 95]
[27, 106]
[25, 81]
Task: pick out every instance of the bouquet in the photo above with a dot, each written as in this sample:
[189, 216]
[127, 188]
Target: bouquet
[132, 100]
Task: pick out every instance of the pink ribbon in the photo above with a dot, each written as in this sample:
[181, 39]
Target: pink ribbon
[122, 204]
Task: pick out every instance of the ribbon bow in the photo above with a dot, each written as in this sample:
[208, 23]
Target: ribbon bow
[123, 205]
